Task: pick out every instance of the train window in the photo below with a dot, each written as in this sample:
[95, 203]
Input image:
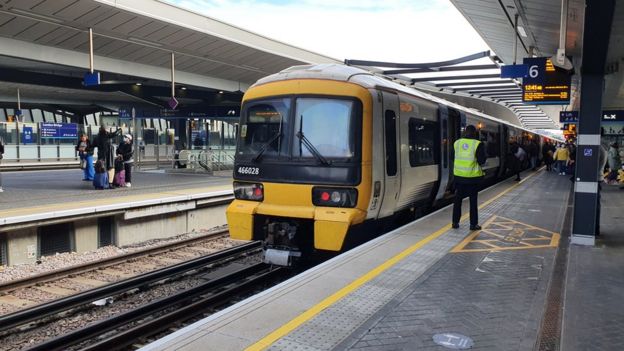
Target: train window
[391, 152]
[314, 117]
[490, 142]
[422, 136]
[264, 128]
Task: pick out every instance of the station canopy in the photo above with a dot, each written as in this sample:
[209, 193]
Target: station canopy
[44, 51]
[539, 24]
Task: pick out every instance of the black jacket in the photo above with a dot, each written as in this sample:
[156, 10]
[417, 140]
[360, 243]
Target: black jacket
[125, 150]
[481, 158]
[103, 143]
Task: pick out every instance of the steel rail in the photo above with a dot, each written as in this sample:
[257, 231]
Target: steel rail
[127, 337]
[106, 262]
[57, 306]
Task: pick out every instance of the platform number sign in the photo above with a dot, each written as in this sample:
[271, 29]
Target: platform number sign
[545, 84]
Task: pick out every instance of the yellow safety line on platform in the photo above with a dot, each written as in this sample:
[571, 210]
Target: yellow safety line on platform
[330, 300]
[64, 206]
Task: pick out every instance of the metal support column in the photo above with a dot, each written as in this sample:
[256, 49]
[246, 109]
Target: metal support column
[597, 28]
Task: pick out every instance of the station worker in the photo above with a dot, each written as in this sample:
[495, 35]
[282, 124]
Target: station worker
[468, 157]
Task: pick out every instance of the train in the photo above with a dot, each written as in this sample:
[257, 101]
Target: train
[327, 154]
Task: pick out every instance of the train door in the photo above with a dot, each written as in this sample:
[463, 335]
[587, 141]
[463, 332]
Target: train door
[450, 129]
[392, 176]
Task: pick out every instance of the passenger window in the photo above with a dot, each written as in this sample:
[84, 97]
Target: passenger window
[391, 157]
[421, 135]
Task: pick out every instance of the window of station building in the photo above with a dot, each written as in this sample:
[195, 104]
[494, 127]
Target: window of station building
[48, 116]
[37, 115]
[391, 152]
[422, 137]
[106, 231]
[55, 238]
[2, 115]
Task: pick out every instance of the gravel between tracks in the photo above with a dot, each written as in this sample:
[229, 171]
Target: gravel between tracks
[63, 260]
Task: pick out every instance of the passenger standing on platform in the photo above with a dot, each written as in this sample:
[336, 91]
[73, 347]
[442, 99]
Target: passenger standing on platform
[547, 155]
[85, 151]
[106, 153]
[615, 163]
[468, 157]
[517, 157]
[126, 152]
[533, 150]
[561, 158]
[602, 161]
[1, 156]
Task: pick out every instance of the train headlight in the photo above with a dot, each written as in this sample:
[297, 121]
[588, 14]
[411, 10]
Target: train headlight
[334, 197]
[248, 191]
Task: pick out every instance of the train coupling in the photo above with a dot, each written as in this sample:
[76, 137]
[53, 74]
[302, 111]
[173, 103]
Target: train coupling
[280, 257]
[280, 245]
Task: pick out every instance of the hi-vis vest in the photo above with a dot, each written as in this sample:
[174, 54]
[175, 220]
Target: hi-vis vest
[465, 164]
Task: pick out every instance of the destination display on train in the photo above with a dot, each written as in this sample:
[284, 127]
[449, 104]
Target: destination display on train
[544, 83]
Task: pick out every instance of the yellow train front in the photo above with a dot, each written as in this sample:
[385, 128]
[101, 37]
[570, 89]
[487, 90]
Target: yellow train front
[328, 155]
[302, 170]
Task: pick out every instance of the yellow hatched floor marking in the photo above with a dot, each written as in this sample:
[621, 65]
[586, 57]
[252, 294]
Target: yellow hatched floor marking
[502, 234]
[330, 300]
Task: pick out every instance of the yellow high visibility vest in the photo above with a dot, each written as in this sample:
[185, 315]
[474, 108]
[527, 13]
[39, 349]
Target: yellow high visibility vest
[466, 164]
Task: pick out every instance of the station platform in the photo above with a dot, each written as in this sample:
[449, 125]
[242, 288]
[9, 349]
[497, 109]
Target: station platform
[425, 285]
[43, 193]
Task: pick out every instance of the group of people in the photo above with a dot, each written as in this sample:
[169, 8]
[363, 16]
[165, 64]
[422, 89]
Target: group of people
[559, 157]
[113, 168]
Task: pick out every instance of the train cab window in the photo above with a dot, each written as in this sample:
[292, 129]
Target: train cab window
[391, 152]
[264, 128]
[422, 136]
[327, 125]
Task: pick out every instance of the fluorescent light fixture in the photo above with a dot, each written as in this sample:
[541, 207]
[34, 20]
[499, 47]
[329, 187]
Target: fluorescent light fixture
[183, 88]
[522, 31]
[138, 84]
[36, 15]
[144, 42]
[220, 91]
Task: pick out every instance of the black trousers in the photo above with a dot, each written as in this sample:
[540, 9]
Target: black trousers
[462, 191]
[128, 169]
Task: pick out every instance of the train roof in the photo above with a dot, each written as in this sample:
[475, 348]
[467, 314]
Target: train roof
[368, 80]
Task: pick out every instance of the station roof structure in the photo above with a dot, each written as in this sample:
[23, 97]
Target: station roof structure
[539, 23]
[42, 40]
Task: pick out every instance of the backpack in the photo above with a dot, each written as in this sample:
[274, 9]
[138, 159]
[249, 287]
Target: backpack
[100, 180]
[120, 178]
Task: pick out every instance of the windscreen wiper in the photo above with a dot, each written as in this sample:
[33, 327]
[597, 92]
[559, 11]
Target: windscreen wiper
[266, 146]
[305, 141]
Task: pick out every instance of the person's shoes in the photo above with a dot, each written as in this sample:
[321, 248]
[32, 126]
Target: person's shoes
[517, 179]
[128, 185]
[455, 225]
[475, 227]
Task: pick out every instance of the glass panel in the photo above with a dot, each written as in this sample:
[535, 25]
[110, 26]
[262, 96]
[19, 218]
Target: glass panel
[422, 138]
[263, 123]
[2, 115]
[37, 115]
[391, 154]
[314, 118]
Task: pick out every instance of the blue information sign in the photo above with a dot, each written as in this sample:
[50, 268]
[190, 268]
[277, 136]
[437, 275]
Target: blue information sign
[27, 135]
[59, 130]
[568, 116]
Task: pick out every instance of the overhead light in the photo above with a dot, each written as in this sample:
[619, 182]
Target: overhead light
[183, 88]
[220, 91]
[36, 15]
[138, 84]
[144, 42]
[521, 31]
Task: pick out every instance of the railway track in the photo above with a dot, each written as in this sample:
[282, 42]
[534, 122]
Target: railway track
[137, 297]
[31, 291]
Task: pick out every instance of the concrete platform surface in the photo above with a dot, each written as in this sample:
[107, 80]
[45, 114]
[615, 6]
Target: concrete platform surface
[419, 284]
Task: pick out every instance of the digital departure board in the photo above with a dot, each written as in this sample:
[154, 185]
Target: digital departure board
[544, 83]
